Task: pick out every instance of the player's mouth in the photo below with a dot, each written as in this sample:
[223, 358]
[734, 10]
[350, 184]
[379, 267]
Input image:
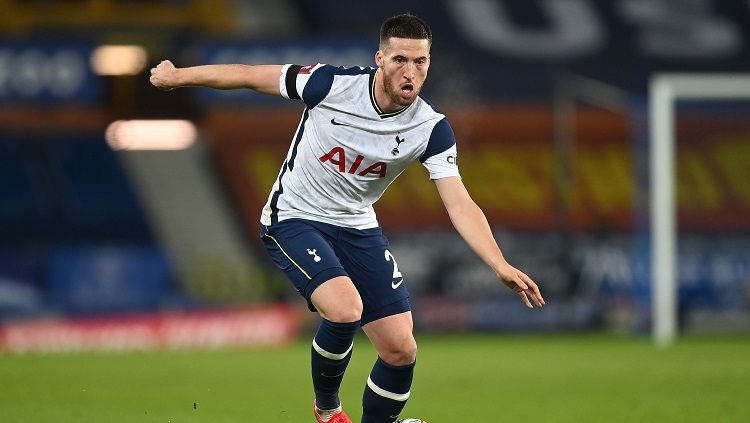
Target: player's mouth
[407, 90]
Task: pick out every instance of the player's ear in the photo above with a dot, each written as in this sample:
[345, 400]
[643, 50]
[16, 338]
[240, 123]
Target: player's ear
[379, 58]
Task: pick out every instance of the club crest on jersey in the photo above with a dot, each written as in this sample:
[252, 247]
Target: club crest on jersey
[398, 142]
[337, 157]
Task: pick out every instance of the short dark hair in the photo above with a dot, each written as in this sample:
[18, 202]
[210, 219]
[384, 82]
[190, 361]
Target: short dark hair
[405, 26]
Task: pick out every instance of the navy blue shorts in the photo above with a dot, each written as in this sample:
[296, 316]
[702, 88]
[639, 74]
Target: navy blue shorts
[311, 253]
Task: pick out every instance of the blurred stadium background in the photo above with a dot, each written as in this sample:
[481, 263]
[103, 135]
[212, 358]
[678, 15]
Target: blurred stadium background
[128, 216]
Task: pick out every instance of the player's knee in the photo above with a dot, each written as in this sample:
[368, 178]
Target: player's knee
[400, 354]
[345, 311]
[345, 315]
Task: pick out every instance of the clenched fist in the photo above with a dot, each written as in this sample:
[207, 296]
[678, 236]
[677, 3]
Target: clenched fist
[164, 76]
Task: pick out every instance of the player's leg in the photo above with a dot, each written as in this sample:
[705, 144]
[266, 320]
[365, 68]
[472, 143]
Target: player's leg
[302, 249]
[386, 319]
[340, 308]
[389, 384]
[393, 338]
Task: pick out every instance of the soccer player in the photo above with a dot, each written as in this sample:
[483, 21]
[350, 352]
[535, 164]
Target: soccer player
[361, 127]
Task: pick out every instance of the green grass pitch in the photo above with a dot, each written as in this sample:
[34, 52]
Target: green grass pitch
[459, 378]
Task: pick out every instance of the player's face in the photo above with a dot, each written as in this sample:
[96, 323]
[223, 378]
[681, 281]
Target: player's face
[403, 63]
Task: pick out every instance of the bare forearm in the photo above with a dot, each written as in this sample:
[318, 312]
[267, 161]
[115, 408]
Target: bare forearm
[470, 222]
[472, 225]
[224, 77]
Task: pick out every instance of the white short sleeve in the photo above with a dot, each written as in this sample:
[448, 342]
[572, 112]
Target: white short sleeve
[443, 165]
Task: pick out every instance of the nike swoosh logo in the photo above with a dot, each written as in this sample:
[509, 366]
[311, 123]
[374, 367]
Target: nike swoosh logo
[333, 121]
[396, 285]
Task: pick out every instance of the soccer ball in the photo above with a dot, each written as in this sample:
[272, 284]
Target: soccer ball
[412, 421]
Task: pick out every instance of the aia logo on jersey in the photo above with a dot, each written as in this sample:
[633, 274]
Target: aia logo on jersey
[337, 157]
[307, 69]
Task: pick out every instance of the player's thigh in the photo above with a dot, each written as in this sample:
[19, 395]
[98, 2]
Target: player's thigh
[304, 253]
[369, 262]
[337, 300]
[393, 338]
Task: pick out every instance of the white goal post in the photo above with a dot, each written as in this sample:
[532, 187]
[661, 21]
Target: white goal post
[664, 91]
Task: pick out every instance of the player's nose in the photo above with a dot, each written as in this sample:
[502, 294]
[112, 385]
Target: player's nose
[410, 71]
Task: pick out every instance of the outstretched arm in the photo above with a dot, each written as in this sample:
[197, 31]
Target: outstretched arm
[261, 78]
[472, 225]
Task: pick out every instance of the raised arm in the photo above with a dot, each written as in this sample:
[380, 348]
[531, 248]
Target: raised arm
[261, 78]
[472, 225]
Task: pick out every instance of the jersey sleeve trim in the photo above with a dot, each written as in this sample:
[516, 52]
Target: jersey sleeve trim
[290, 82]
[282, 81]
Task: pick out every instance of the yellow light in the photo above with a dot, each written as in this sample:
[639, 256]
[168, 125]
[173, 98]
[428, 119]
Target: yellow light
[118, 60]
[151, 134]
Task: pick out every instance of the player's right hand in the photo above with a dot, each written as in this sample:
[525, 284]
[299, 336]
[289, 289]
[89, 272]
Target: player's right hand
[163, 76]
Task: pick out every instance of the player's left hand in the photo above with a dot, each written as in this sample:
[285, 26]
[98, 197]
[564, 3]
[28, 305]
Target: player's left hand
[522, 284]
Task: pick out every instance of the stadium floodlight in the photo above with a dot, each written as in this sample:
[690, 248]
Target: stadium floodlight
[664, 91]
[151, 134]
[116, 60]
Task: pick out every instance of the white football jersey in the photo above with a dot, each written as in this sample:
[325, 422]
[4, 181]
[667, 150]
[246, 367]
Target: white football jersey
[346, 151]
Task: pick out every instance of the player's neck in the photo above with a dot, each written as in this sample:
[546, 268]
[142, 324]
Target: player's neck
[382, 99]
